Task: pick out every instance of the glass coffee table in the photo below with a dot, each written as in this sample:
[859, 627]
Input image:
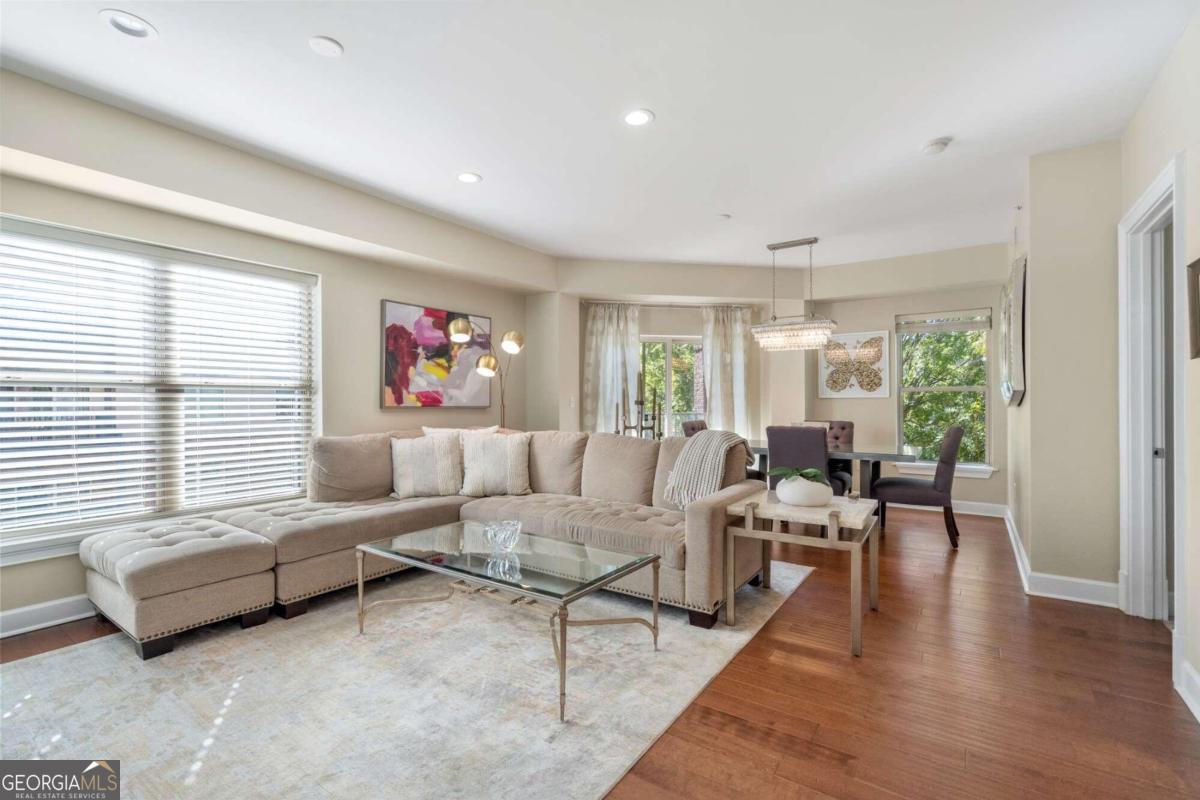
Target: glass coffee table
[498, 559]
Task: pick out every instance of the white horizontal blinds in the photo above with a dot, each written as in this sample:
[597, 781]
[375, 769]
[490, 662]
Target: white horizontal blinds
[134, 384]
[978, 319]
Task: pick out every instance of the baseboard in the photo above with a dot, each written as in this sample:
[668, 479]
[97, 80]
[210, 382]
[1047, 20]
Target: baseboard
[43, 615]
[1058, 587]
[965, 507]
[1188, 687]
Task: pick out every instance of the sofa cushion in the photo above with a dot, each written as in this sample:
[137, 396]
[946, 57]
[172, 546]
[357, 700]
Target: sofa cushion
[619, 468]
[352, 467]
[556, 461]
[302, 529]
[426, 466]
[608, 524]
[668, 453]
[148, 559]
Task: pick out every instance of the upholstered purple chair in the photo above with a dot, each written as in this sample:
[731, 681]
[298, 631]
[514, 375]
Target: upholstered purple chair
[802, 447]
[693, 426]
[919, 492]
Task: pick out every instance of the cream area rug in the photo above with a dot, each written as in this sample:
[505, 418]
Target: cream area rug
[456, 699]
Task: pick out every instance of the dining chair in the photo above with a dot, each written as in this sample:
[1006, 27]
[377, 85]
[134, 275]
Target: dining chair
[921, 492]
[802, 447]
[693, 426]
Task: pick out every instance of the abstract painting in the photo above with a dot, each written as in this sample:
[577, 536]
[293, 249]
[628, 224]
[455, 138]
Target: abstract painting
[1012, 335]
[855, 365]
[422, 368]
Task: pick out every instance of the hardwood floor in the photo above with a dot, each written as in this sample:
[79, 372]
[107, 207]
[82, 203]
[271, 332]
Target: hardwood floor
[966, 688]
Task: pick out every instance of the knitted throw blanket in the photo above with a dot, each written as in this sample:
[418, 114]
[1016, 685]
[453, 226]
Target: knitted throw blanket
[701, 466]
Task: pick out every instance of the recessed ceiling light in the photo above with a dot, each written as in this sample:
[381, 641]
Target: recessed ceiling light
[725, 216]
[469, 177]
[326, 46]
[935, 146]
[128, 24]
[639, 116]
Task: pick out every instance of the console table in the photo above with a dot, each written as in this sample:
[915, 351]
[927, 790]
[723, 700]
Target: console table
[855, 518]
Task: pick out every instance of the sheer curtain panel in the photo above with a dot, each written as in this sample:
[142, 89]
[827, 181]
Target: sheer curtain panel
[612, 358]
[726, 352]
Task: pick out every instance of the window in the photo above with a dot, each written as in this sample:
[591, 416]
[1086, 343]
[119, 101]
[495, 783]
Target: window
[681, 378]
[944, 381]
[138, 381]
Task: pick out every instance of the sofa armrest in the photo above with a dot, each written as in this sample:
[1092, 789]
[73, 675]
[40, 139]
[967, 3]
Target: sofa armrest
[704, 542]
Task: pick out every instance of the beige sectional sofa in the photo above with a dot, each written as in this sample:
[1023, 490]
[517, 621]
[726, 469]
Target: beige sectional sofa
[156, 579]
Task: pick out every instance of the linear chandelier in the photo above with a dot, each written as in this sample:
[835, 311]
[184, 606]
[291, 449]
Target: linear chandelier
[798, 331]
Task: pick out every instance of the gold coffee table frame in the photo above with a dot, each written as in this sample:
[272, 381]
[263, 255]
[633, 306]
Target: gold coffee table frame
[478, 584]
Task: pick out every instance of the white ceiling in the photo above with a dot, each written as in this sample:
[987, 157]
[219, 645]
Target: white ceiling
[798, 117]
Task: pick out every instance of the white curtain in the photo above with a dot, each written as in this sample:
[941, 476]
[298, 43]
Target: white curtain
[612, 359]
[726, 352]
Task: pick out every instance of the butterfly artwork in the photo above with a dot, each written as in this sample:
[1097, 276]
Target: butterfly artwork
[855, 365]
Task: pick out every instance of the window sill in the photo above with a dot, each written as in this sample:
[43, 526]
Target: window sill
[927, 468]
[58, 543]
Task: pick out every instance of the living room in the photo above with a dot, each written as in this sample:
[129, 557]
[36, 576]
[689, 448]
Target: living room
[823, 379]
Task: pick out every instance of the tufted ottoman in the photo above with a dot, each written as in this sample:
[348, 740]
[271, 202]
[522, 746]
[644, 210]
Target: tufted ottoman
[155, 579]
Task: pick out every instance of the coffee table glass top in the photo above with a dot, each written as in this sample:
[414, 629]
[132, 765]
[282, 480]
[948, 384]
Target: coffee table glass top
[537, 565]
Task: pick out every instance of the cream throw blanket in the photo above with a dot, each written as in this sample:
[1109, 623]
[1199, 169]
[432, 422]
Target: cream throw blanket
[701, 466]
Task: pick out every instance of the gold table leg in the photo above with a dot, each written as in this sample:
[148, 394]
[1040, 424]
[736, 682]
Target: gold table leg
[873, 550]
[361, 614]
[856, 600]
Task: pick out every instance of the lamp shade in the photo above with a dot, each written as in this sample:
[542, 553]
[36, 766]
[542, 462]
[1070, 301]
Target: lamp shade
[459, 330]
[487, 365]
[512, 342]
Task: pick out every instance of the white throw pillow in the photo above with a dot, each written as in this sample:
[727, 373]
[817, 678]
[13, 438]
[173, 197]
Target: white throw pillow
[426, 466]
[457, 431]
[495, 463]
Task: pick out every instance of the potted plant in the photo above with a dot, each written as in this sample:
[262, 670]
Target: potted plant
[802, 487]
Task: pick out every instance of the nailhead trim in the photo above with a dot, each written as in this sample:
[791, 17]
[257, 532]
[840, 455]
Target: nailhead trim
[351, 582]
[202, 623]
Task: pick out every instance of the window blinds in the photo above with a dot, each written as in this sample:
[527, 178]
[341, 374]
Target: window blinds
[976, 319]
[137, 381]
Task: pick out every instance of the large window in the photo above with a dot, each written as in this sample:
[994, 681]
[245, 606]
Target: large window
[673, 368]
[138, 381]
[944, 381]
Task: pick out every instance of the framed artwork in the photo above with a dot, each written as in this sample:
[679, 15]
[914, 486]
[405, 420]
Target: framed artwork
[1193, 294]
[856, 365]
[422, 368]
[1012, 335]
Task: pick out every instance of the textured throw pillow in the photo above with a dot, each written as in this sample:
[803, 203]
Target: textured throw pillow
[457, 431]
[495, 463]
[426, 466]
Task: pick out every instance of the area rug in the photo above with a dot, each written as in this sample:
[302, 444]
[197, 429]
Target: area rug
[457, 699]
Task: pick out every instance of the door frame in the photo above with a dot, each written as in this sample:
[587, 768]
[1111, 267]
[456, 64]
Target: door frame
[1141, 554]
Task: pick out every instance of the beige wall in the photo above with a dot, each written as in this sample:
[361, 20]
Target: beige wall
[350, 293]
[876, 420]
[1020, 469]
[551, 360]
[1167, 124]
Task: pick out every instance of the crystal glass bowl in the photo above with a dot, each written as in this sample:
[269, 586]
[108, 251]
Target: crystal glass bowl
[503, 536]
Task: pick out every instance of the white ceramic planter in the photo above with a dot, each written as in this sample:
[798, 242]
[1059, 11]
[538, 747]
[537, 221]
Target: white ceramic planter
[802, 492]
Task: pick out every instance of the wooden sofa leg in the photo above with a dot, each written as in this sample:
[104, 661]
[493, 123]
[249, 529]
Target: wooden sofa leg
[256, 617]
[155, 647]
[701, 619]
[951, 526]
[292, 609]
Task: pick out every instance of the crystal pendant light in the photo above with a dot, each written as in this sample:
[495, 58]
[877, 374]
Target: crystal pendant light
[797, 332]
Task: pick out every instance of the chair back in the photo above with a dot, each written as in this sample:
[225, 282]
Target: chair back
[943, 476]
[693, 426]
[841, 433]
[800, 447]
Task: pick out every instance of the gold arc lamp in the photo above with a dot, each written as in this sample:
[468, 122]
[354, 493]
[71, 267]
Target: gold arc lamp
[459, 330]
[487, 365]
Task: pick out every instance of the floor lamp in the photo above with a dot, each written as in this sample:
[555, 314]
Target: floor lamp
[488, 365]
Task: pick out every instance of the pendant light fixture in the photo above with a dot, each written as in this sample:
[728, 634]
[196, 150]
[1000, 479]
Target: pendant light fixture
[798, 331]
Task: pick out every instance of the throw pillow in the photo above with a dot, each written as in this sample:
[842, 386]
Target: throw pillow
[426, 466]
[495, 463]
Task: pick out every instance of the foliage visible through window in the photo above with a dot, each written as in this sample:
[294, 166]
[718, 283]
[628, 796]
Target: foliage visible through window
[684, 381]
[943, 382]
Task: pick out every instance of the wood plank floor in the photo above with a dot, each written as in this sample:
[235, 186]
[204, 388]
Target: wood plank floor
[967, 688]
